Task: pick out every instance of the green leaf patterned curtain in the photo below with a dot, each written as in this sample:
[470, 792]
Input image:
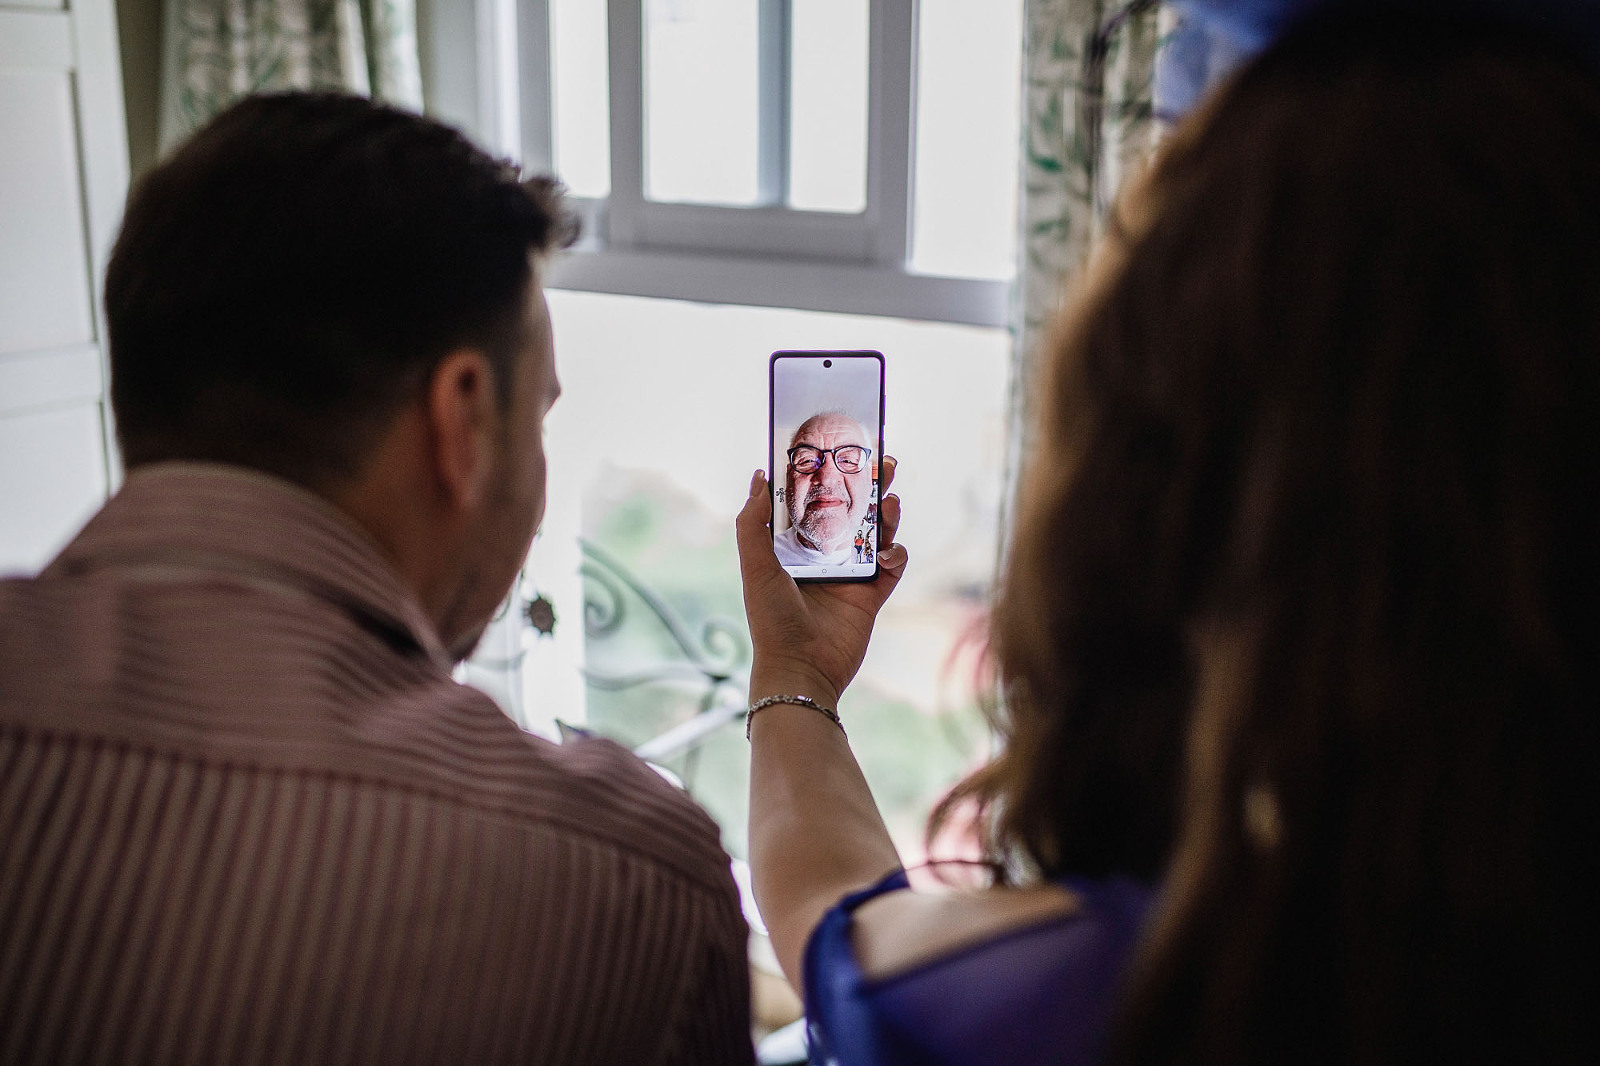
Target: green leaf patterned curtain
[1088, 80]
[216, 51]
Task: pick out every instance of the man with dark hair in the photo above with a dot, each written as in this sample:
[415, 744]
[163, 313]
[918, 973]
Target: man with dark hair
[245, 811]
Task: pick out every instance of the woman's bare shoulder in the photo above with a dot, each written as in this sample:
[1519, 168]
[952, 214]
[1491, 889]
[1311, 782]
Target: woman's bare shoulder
[899, 931]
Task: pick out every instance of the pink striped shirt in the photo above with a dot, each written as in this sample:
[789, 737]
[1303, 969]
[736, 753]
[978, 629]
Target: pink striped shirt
[246, 815]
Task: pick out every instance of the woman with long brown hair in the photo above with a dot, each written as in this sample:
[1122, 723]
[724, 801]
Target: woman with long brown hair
[1318, 468]
[1363, 336]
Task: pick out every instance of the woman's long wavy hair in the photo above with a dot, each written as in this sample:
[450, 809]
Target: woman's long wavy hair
[1319, 469]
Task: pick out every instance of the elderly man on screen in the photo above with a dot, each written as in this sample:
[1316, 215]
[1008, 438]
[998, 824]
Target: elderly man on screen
[828, 487]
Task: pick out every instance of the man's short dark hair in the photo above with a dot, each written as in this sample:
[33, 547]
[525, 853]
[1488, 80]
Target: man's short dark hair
[292, 274]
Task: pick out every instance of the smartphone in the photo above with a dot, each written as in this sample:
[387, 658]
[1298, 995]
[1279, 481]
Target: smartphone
[825, 432]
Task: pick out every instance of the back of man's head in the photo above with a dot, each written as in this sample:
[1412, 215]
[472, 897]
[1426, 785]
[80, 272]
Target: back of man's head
[287, 280]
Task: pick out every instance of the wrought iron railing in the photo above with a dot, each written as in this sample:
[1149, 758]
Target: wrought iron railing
[716, 654]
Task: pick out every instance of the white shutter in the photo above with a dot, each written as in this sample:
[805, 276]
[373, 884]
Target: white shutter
[63, 176]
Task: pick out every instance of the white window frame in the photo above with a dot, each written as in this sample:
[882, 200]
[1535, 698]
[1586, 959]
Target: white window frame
[875, 235]
[768, 255]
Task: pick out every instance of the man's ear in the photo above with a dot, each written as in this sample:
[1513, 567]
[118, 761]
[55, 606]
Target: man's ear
[463, 416]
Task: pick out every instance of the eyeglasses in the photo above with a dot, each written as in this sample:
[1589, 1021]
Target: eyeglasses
[849, 458]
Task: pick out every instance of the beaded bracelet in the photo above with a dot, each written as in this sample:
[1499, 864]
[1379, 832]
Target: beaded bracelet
[799, 701]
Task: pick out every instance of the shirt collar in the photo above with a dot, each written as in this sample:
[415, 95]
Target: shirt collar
[812, 555]
[232, 520]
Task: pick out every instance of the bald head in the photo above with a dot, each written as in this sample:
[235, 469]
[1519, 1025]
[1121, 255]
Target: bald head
[826, 505]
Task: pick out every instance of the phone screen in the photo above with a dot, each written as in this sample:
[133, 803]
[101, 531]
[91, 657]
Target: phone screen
[826, 442]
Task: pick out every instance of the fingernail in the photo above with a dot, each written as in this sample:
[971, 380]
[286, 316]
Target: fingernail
[755, 482]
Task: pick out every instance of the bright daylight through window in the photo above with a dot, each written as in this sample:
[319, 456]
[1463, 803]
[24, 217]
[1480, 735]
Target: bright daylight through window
[759, 117]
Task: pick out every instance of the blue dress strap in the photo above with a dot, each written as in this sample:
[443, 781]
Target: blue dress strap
[1036, 994]
[833, 983]
[892, 881]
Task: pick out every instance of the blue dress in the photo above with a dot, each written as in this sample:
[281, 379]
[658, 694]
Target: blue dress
[1038, 994]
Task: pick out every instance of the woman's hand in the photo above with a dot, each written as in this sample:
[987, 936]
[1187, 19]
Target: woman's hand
[810, 639]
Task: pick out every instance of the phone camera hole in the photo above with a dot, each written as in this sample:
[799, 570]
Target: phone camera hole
[827, 363]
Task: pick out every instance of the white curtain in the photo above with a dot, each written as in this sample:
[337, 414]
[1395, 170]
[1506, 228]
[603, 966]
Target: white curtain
[216, 51]
[1088, 121]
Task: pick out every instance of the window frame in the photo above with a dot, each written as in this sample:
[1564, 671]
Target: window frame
[878, 234]
[767, 255]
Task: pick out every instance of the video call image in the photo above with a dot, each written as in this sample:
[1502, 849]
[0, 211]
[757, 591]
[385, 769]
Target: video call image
[825, 458]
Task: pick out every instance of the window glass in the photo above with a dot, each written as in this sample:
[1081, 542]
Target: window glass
[661, 421]
[701, 101]
[580, 105]
[828, 105]
[968, 116]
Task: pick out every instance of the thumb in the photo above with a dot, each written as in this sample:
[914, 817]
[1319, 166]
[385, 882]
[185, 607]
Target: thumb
[750, 530]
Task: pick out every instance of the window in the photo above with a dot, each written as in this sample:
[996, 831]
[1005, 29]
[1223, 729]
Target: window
[661, 420]
[755, 175]
[856, 156]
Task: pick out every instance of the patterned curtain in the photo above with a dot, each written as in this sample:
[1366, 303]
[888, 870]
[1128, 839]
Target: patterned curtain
[216, 51]
[1088, 122]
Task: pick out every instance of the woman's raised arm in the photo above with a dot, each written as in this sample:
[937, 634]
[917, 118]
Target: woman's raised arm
[815, 831]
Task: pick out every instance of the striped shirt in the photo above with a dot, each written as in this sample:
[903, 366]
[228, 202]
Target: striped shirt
[246, 815]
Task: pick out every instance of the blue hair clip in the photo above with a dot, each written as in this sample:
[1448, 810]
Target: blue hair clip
[1215, 37]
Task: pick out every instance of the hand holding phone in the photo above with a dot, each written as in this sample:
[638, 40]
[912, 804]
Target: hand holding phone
[809, 637]
[826, 444]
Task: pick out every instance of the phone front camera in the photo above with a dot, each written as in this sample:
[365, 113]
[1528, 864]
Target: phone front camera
[827, 363]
